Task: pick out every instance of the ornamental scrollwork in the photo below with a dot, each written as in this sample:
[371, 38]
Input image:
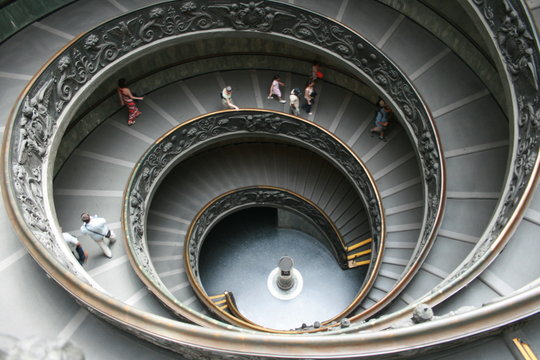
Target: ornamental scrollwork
[516, 45]
[252, 197]
[195, 134]
[112, 41]
[250, 16]
[508, 22]
[314, 29]
[35, 129]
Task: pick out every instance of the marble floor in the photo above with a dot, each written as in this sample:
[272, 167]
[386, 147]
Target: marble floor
[244, 248]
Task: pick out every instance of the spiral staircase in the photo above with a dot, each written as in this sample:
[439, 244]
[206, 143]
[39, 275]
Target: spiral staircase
[464, 243]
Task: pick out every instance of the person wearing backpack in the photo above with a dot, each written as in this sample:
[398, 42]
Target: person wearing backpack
[295, 101]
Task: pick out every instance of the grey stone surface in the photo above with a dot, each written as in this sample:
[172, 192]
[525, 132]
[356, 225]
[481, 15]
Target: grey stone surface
[94, 333]
[411, 46]
[43, 45]
[406, 172]
[27, 286]
[9, 90]
[408, 195]
[406, 217]
[109, 140]
[447, 253]
[69, 209]
[136, 4]
[10, 243]
[484, 170]
[91, 174]
[458, 81]
[523, 242]
[478, 122]
[370, 18]
[327, 8]
[81, 16]
[467, 216]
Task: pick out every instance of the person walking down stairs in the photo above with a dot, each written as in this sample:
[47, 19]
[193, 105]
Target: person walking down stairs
[275, 90]
[96, 228]
[382, 120]
[128, 99]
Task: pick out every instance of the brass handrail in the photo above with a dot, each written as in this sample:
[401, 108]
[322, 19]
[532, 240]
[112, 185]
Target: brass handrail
[71, 82]
[191, 251]
[191, 136]
[493, 315]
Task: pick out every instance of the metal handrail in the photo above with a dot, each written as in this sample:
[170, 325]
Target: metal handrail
[508, 23]
[192, 136]
[199, 228]
[517, 192]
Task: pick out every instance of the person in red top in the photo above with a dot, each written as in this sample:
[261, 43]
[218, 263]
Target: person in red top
[128, 99]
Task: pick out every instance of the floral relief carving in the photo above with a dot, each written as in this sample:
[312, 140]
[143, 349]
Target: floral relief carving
[251, 15]
[509, 24]
[170, 149]
[259, 196]
[516, 45]
[113, 40]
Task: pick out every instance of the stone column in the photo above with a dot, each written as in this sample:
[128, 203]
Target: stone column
[285, 280]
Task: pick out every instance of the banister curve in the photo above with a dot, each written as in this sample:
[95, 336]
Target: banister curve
[517, 192]
[81, 62]
[192, 136]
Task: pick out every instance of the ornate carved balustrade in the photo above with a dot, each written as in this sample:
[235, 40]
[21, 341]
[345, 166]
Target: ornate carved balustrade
[515, 39]
[206, 130]
[43, 111]
[267, 196]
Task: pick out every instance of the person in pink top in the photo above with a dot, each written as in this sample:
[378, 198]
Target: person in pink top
[275, 90]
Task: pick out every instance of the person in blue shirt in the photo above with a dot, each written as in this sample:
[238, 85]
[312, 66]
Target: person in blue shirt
[382, 119]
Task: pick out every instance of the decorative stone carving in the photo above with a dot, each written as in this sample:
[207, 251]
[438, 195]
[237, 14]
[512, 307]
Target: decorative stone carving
[508, 21]
[238, 123]
[258, 196]
[252, 15]
[78, 64]
[516, 45]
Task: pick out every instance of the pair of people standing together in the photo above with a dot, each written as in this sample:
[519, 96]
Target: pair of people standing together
[309, 99]
[95, 228]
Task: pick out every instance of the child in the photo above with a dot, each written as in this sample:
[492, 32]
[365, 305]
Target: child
[274, 89]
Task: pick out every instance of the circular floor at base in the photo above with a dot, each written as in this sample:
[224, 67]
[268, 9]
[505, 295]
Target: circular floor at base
[244, 248]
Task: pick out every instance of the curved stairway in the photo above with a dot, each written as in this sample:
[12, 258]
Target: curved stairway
[199, 180]
[459, 102]
[114, 147]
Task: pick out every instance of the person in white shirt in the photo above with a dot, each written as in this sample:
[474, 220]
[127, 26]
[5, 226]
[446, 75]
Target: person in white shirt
[96, 228]
[75, 247]
[295, 101]
[226, 98]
